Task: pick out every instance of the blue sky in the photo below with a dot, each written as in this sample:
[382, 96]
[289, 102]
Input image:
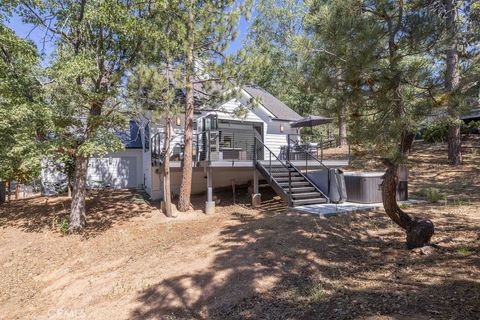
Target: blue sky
[37, 35]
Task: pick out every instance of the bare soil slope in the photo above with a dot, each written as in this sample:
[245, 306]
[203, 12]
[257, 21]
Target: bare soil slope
[244, 263]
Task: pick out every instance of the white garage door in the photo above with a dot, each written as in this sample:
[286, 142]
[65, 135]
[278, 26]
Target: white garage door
[116, 172]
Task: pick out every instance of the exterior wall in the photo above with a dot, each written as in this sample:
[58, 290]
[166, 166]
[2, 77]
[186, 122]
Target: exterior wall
[121, 169]
[146, 158]
[118, 169]
[52, 178]
[274, 139]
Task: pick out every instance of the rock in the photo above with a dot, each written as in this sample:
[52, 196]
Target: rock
[446, 240]
[425, 250]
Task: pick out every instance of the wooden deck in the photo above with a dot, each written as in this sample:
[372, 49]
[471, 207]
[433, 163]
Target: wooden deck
[249, 163]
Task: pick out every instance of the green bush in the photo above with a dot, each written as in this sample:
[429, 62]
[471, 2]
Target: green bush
[61, 225]
[433, 195]
[464, 250]
[472, 126]
[436, 131]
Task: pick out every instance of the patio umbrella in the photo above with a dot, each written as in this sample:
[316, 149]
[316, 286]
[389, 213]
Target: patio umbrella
[310, 121]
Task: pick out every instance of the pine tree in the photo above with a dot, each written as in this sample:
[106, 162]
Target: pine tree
[96, 43]
[151, 89]
[393, 77]
[289, 60]
[461, 49]
[210, 27]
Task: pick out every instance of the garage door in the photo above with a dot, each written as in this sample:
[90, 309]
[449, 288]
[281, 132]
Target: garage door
[116, 172]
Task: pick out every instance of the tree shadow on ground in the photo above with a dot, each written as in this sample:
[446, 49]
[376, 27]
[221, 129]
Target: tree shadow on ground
[105, 208]
[276, 265]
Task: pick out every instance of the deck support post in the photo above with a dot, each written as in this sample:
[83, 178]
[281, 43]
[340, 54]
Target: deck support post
[209, 204]
[256, 196]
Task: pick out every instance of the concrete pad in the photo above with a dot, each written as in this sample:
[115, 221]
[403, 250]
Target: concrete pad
[329, 209]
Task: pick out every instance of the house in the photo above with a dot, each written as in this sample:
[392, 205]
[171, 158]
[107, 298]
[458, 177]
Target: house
[226, 150]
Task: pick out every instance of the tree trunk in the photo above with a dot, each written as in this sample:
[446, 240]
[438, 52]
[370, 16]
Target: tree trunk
[419, 231]
[167, 197]
[77, 210]
[8, 190]
[452, 80]
[342, 110]
[454, 145]
[69, 186]
[342, 126]
[186, 186]
[17, 190]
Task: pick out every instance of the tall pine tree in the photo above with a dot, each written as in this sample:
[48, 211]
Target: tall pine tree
[207, 71]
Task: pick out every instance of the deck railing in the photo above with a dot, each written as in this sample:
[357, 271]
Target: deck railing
[310, 159]
[326, 148]
[157, 145]
[219, 145]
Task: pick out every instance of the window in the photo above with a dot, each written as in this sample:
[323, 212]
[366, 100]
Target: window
[211, 122]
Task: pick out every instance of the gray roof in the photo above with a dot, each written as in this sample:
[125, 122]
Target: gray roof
[279, 109]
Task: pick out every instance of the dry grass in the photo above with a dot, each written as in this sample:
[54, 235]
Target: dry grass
[244, 263]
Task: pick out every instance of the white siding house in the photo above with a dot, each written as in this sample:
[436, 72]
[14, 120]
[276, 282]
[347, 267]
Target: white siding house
[231, 146]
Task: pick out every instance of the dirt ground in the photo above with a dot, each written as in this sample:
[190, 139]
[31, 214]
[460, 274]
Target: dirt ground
[244, 263]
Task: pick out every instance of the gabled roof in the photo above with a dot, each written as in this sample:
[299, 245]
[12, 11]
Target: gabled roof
[279, 109]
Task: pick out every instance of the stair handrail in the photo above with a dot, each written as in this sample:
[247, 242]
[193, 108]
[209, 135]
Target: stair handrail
[270, 164]
[306, 161]
[304, 150]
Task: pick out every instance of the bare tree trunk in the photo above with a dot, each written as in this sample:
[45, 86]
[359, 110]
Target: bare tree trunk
[419, 231]
[342, 126]
[342, 110]
[186, 185]
[8, 190]
[69, 186]
[77, 209]
[167, 197]
[17, 189]
[454, 144]
[452, 80]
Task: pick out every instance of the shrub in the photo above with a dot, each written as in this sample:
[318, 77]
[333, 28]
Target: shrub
[464, 250]
[471, 127]
[61, 225]
[436, 131]
[433, 195]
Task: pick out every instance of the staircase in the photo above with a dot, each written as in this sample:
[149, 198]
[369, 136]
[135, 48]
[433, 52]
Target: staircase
[288, 181]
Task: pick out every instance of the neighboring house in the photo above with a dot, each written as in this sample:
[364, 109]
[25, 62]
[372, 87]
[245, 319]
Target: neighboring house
[227, 150]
